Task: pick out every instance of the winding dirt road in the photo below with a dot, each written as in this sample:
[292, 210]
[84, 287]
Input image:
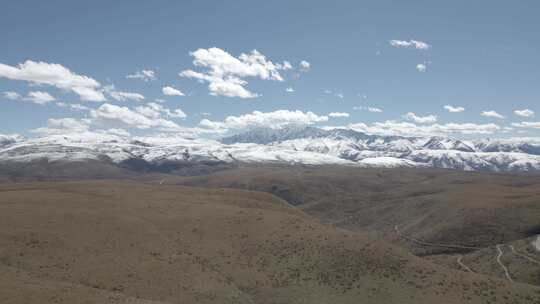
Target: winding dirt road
[506, 272]
[523, 255]
[460, 263]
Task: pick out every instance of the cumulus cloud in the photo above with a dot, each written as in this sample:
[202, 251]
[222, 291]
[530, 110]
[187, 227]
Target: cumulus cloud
[73, 106]
[524, 113]
[492, 114]
[43, 73]
[72, 126]
[421, 67]
[420, 119]
[527, 124]
[63, 126]
[170, 91]
[276, 120]
[284, 66]
[39, 97]
[108, 114]
[289, 90]
[144, 75]
[155, 111]
[225, 73]
[117, 132]
[338, 114]
[213, 125]
[453, 109]
[414, 44]
[230, 88]
[122, 96]
[411, 129]
[305, 66]
[12, 95]
[111, 119]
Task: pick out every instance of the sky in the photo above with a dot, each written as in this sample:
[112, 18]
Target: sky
[209, 68]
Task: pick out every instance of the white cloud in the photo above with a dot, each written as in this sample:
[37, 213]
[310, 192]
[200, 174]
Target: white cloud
[374, 110]
[369, 109]
[421, 67]
[63, 126]
[144, 75]
[39, 97]
[524, 113]
[89, 94]
[491, 114]
[213, 125]
[340, 95]
[276, 120]
[338, 114]
[527, 124]
[122, 96]
[453, 109]
[76, 127]
[419, 45]
[232, 87]
[305, 66]
[284, 66]
[42, 73]
[289, 90]
[411, 129]
[155, 111]
[109, 114]
[170, 91]
[12, 95]
[74, 106]
[420, 119]
[225, 72]
[117, 132]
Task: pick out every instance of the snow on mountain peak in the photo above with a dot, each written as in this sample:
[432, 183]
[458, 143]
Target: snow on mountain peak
[289, 145]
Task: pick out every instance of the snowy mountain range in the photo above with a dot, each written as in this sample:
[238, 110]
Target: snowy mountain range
[290, 145]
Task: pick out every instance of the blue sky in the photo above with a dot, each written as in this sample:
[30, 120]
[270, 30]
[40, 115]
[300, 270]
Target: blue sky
[481, 56]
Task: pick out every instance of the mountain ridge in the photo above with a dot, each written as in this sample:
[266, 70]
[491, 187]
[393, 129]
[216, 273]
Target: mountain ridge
[289, 145]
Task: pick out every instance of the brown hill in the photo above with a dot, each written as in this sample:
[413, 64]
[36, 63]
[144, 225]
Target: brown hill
[436, 206]
[87, 242]
[521, 259]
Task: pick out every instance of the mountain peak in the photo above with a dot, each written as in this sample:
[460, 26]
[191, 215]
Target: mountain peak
[265, 136]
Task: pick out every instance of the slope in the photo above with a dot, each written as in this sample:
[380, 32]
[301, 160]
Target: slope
[437, 206]
[189, 245]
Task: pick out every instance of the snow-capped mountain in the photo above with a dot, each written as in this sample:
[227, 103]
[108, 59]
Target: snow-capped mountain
[290, 145]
